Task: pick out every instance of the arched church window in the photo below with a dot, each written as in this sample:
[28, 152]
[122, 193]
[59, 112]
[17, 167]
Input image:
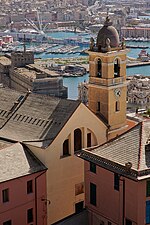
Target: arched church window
[99, 68]
[66, 147]
[89, 140]
[77, 139]
[116, 68]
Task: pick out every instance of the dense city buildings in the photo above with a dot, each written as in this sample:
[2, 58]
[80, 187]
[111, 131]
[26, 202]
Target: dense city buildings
[59, 156]
[138, 32]
[138, 92]
[46, 15]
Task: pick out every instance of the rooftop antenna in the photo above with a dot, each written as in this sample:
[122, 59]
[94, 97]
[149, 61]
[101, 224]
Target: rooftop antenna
[24, 45]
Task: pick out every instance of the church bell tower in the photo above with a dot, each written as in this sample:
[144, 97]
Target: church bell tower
[107, 81]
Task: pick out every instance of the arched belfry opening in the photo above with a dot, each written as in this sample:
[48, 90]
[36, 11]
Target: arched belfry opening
[116, 68]
[99, 68]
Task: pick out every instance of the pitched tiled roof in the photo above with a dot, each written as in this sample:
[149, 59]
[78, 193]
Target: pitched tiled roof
[17, 161]
[128, 147]
[33, 117]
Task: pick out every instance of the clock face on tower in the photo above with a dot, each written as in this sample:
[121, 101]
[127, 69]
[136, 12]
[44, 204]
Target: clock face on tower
[117, 92]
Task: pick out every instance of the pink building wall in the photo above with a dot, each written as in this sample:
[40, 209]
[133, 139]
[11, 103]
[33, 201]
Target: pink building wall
[109, 205]
[19, 201]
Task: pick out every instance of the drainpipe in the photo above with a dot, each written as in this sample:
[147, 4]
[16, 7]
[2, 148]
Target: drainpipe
[36, 196]
[123, 201]
[123, 212]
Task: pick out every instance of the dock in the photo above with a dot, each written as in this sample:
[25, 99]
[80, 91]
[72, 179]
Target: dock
[136, 64]
[137, 46]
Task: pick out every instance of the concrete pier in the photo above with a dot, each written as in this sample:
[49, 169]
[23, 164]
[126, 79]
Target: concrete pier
[134, 64]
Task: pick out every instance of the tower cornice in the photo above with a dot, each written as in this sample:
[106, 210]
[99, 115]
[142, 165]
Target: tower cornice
[108, 54]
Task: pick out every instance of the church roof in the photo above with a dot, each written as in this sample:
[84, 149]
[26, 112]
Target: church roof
[32, 117]
[131, 148]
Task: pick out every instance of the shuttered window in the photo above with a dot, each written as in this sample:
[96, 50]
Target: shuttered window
[93, 194]
[116, 181]
[92, 167]
[147, 212]
[148, 188]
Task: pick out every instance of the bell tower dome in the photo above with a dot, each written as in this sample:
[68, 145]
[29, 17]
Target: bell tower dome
[107, 80]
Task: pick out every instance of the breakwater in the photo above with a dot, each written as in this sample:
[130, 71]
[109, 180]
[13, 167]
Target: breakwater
[137, 64]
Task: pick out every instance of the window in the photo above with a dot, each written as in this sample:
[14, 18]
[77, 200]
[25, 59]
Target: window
[117, 106]
[7, 222]
[89, 140]
[148, 188]
[93, 194]
[5, 194]
[99, 68]
[77, 140]
[66, 147]
[134, 100]
[116, 68]
[29, 186]
[147, 212]
[30, 215]
[93, 167]
[116, 181]
[147, 147]
[98, 106]
[128, 222]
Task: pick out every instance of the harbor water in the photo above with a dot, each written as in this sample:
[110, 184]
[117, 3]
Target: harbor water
[72, 82]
